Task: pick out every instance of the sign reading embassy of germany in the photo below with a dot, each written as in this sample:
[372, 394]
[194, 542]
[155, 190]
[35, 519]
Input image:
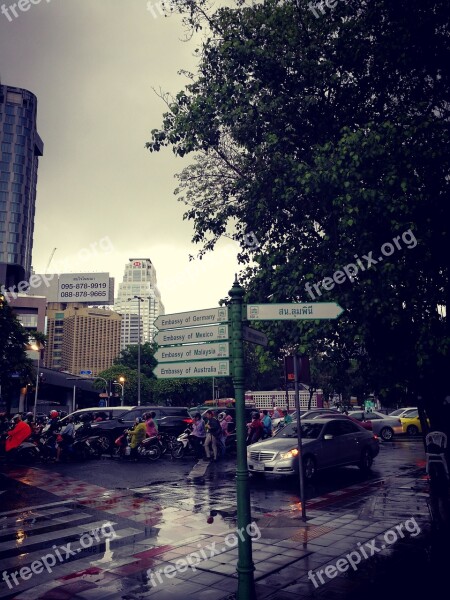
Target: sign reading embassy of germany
[192, 318]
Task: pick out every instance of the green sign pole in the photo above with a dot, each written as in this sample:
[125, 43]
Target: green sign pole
[245, 566]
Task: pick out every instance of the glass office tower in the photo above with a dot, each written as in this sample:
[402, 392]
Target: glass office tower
[20, 149]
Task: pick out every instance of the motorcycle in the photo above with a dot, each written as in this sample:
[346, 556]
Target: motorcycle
[183, 446]
[152, 447]
[26, 453]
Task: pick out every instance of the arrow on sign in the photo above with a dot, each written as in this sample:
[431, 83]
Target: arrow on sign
[294, 311]
[193, 318]
[206, 368]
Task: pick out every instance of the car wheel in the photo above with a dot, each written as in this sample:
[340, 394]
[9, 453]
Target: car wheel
[366, 461]
[412, 430]
[386, 434]
[309, 468]
[103, 443]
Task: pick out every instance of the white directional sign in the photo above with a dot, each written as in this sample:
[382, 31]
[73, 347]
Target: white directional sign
[210, 333]
[193, 352]
[254, 336]
[294, 311]
[193, 318]
[206, 368]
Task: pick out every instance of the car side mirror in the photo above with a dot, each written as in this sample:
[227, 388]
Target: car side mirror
[328, 436]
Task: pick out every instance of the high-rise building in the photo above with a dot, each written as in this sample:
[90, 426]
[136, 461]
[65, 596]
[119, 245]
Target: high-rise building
[20, 147]
[139, 280]
[82, 338]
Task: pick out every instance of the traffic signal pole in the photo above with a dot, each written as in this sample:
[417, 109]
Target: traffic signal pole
[245, 566]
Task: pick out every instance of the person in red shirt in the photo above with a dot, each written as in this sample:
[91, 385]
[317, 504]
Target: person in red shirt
[255, 429]
[18, 434]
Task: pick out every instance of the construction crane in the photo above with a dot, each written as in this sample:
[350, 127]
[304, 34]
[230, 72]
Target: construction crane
[50, 260]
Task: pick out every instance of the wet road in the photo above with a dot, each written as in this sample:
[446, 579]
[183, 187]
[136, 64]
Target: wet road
[155, 505]
[394, 457]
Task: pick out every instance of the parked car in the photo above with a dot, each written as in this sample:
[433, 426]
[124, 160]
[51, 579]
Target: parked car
[382, 425]
[365, 424]
[305, 414]
[326, 443]
[411, 423]
[170, 419]
[402, 412]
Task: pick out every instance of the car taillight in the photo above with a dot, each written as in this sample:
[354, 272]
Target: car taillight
[375, 437]
[188, 421]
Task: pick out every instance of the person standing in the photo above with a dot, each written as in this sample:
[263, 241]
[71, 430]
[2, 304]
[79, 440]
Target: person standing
[213, 431]
[267, 424]
[255, 429]
[198, 434]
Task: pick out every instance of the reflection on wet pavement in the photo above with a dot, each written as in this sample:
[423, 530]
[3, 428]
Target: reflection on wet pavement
[159, 525]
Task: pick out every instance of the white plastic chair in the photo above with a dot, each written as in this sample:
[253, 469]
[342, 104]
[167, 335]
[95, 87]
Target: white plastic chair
[437, 438]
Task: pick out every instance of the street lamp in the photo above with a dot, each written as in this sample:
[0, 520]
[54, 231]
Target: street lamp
[106, 388]
[122, 387]
[36, 347]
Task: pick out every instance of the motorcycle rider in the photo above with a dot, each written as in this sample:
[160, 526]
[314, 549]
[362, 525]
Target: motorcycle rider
[20, 432]
[65, 438]
[151, 427]
[53, 424]
[137, 434]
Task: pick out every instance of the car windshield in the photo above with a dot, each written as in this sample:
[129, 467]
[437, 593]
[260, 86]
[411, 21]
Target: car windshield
[309, 431]
[397, 412]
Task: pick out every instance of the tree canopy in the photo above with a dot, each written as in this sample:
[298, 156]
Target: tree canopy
[327, 137]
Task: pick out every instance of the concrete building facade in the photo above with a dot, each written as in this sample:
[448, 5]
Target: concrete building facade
[139, 280]
[82, 338]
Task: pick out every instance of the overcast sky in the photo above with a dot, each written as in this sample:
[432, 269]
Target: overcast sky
[102, 197]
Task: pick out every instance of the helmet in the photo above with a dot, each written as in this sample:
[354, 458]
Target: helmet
[221, 416]
[54, 414]
[255, 415]
[17, 418]
[29, 416]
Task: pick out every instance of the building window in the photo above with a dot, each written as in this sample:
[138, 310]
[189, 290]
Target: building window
[13, 98]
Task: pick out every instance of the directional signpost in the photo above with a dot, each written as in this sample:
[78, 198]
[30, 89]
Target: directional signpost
[193, 318]
[191, 346]
[254, 336]
[204, 343]
[293, 311]
[85, 372]
[189, 335]
[201, 368]
[193, 352]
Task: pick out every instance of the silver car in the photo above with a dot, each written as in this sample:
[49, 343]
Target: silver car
[326, 443]
[382, 425]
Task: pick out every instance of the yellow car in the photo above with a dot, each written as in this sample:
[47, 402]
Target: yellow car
[411, 424]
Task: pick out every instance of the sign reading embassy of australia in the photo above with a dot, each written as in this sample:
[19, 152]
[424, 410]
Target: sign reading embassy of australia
[176, 339]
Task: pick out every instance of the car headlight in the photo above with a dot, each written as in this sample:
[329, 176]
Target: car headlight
[290, 453]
